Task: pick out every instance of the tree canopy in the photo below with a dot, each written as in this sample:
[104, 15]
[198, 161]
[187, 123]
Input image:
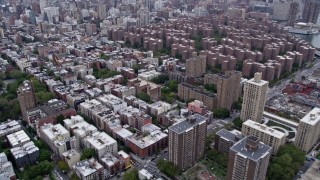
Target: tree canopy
[63, 166]
[162, 78]
[168, 168]
[88, 153]
[131, 175]
[41, 169]
[221, 113]
[145, 97]
[238, 122]
[286, 163]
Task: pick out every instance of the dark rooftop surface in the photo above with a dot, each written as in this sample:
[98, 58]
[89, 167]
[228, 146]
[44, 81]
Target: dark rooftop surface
[182, 126]
[227, 135]
[240, 148]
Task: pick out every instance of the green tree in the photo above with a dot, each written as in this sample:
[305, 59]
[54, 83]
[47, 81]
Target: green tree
[286, 163]
[238, 122]
[145, 97]
[131, 175]
[136, 68]
[178, 56]
[45, 155]
[63, 166]
[173, 85]
[88, 153]
[221, 113]
[38, 86]
[43, 97]
[74, 177]
[41, 169]
[162, 78]
[168, 168]
[211, 88]
[60, 119]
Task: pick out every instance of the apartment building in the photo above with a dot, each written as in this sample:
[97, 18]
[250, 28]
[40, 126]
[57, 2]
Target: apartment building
[112, 102]
[142, 86]
[267, 135]
[187, 92]
[89, 169]
[158, 108]
[248, 159]
[227, 85]
[58, 138]
[6, 168]
[27, 154]
[308, 133]
[27, 98]
[18, 138]
[77, 126]
[46, 114]
[225, 139]
[187, 141]
[254, 98]
[147, 145]
[196, 66]
[102, 143]
[71, 157]
[9, 127]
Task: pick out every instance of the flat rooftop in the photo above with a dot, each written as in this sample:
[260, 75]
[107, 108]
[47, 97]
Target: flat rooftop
[312, 117]
[264, 128]
[18, 138]
[228, 135]
[240, 148]
[182, 126]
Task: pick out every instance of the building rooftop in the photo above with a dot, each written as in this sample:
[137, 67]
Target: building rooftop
[312, 117]
[264, 128]
[54, 131]
[241, 148]
[187, 124]
[257, 80]
[124, 133]
[18, 138]
[229, 135]
[23, 150]
[100, 139]
[87, 167]
[148, 140]
[9, 127]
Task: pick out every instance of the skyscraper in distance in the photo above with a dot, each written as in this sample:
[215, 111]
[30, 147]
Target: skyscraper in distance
[311, 11]
[254, 97]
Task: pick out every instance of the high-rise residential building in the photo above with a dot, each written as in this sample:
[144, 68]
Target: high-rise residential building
[254, 97]
[224, 140]
[269, 136]
[27, 98]
[311, 11]
[102, 11]
[187, 140]
[293, 13]
[196, 66]
[308, 133]
[248, 159]
[144, 16]
[281, 10]
[227, 85]
[43, 4]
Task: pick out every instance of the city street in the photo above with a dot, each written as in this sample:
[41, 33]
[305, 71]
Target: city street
[277, 89]
[150, 164]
